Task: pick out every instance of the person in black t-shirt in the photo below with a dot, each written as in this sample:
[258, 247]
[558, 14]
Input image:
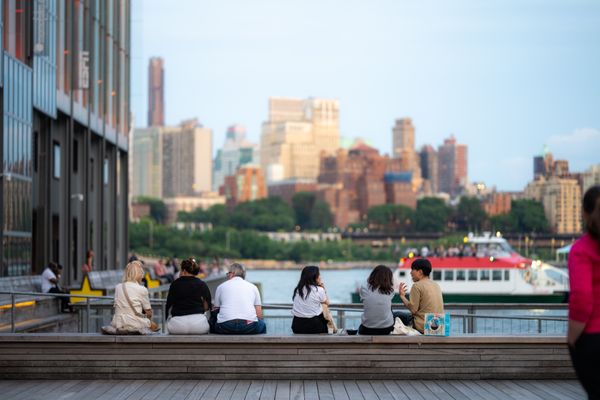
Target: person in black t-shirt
[188, 299]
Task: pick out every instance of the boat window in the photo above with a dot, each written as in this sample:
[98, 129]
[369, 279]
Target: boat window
[472, 274]
[449, 275]
[402, 273]
[484, 275]
[460, 275]
[507, 275]
[437, 275]
[497, 275]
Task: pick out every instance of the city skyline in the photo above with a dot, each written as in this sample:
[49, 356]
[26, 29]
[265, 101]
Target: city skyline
[504, 78]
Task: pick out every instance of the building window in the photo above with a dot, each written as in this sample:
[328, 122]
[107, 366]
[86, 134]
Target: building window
[105, 172]
[472, 275]
[75, 156]
[56, 160]
[449, 275]
[484, 275]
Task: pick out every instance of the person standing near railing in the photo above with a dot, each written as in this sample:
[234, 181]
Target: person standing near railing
[584, 297]
[89, 260]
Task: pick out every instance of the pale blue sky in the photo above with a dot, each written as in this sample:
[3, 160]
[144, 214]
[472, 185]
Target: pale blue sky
[506, 77]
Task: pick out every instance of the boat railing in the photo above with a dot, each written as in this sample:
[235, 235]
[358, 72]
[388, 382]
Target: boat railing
[468, 318]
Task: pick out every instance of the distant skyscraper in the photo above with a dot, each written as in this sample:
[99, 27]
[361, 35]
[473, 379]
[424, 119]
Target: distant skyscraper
[236, 151]
[561, 198]
[172, 161]
[156, 95]
[403, 136]
[403, 142]
[452, 166]
[295, 135]
[429, 168]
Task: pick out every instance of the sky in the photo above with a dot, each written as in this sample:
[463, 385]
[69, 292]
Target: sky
[506, 77]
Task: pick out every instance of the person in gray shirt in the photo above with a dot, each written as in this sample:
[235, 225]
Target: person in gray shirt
[376, 295]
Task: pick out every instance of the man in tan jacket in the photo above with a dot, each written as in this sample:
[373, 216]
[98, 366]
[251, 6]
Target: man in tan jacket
[425, 294]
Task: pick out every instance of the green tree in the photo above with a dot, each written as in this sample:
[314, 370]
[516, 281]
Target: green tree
[320, 216]
[431, 215]
[391, 218]
[469, 214]
[271, 214]
[303, 203]
[529, 216]
[158, 209]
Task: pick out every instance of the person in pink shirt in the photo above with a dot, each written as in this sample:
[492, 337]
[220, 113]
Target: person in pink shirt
[584, 298]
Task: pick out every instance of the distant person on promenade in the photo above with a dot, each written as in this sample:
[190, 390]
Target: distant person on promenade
[133, 312]
[584, 297]
[376, 296]
[188, 299]
[51, 284]
[238, 304]
[425, 294]
[309, 297]
[89, 262]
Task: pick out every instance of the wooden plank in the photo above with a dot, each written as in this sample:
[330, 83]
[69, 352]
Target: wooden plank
[540, 391]
[508, 388]
[423, 390]
[366, 389]
[296, 390]
[167, 390]
[481, 392]
[437, 390]
[57, 392]
[240, 390]
[36, 390]
[117, 388]
[282, 391]
[268, 390]
[184, 390]
[395, 390]
[573, 386]
[325, 392]
[338, 390]
[310, 390]
[466, 390]
[450, 389]
[226, 390]
[491, 389]
[140, 392]
[131, 388]
[409, 390]
[198, 390]
[563, 390]
[212, 390]
[28, 385]
[382, 392]
[255, 390]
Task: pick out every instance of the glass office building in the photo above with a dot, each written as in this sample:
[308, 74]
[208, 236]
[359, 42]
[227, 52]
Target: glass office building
[64, 95]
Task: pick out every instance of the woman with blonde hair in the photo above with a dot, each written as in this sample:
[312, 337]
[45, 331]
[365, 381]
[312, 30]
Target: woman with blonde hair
[133, 312]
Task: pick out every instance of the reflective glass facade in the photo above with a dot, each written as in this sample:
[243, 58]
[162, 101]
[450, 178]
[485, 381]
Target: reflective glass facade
[44, 56]
[17, 173]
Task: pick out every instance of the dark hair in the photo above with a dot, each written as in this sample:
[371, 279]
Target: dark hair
[308, 278]
[422, 264]
[381, 279]
[189, 265]
[591, 207]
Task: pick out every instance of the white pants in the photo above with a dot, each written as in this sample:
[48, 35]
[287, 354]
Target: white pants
[193, 324]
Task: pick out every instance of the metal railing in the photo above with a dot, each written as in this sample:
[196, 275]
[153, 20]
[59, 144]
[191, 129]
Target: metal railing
[96, 311]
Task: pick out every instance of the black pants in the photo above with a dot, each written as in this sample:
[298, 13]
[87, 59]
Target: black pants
[316, 324]
[586, 356]
[363, 330]
[64, 301]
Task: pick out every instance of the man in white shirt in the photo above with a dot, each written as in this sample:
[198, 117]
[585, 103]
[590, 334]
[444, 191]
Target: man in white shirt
[51, 284]
[239, 306]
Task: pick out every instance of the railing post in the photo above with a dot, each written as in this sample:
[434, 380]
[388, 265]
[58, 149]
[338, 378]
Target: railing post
[163, 307]
[340, 319]
[471, 325]
[464, 321]
[539, 325]
[88, 315]
[12, 313]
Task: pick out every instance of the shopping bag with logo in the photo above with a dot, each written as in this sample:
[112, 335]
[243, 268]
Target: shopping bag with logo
[437, 324]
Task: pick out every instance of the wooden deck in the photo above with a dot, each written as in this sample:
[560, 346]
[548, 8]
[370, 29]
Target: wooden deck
[291, 389]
